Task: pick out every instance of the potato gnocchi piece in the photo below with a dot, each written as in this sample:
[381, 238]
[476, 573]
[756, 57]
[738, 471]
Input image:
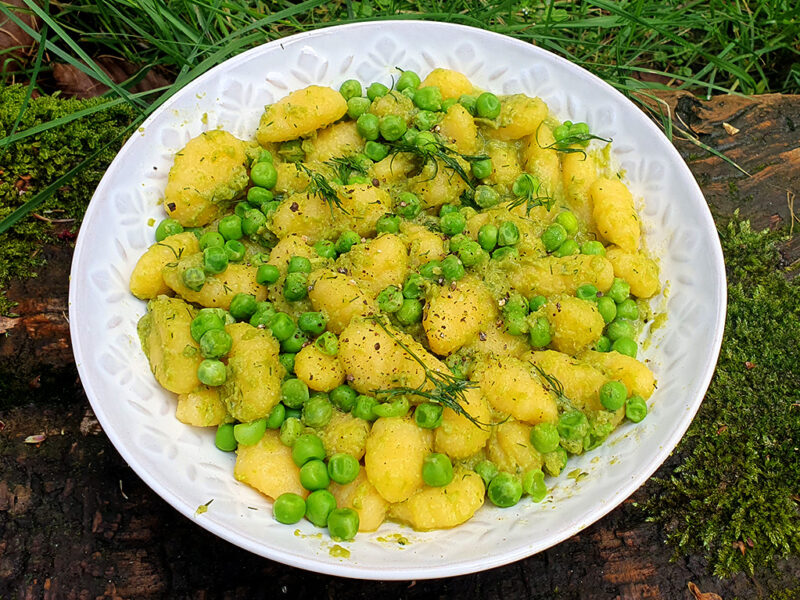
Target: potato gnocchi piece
[640, 272]
[378, 263]
[442, 507]
[395, 451]
[493, 339]
[340, 139]
[553, 275]
[168, 345]
[510, 388]
[615, 214]
[393, 103]
[505, 164]
[319, 371]
[457, 436]
[424, 245]
[146, 280]
[579, 172]
[291, 179]
[575, 323]
[393, 169]
[636, 376]
[437, 184]
[208, 173]
[542, 160]
[362, 497]
[510, 448]
[268, 467]
[339, 297]
[345, 433]
[300, 113]
[452, 84]
[201, 408]
[458, 128]
[520, 116]
[218, 290]
[581, 381]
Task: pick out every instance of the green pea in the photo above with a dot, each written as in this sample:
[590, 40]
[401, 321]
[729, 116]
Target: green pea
[487, 470]
[626, 346]
[446, 104]
[428, 415]
[211, 239]
[396, 408]
[343, 524]
[487, 106]
[603, 344]
[619, 290]
[364, 408]
[407, 205]
[410, 136]
[312, 322]
[445, 209]
[636, 409]
[224, 438]
[573, 425]
[428, 98]
[408, 79]
[235, 250]
[265, 156]
[295, 342]
[212, 372]
[264, 174]
[259, 258]
[276, 416]
[561, 132]
[426, 141]
[350, 89]
[240, 209]
[487, 237]
[452, 223]
[554, 236]
[437, 470]
[468, 102]
[294, 413]
[507, 234]
[282, 326]
[452, 268]
[536, 302]
[314, 475]
[357, 107]
[620, 328]
[410, 312]
[294, 393]
[376, 151]
[568, 221]
[247, 434]
[526, 185]
[505, 490]
[627, 309]
[327, 343]
[194, 278]
[568, 248]
[243, 306]
[308, 447]
[346, 241]
[368, 126]
[390, 299]
[587, 292]
[504, 253]
[486, 196]
[388, 224]
[613, 395]
[343, 398]
[481, 169]
[257, 196]
[215, 260]
[291, 430]
[197, 231]
[287, 361]
[414, 286]
[289, 508]
[215, 343]
[544, 437]
[376, 90]
[166, 228]
[607, 308]
[533, 485]
[295, 287]
[392, 128]
[593, 247]
[516, 323]
[299, 264]
[424, 120]
[319, 505]
[230, 227]
[343, 468]
[317, 411]
[470, 253]
[253, 220]
[539, 333]
[206, 319]
[431, 270]
[325, 249]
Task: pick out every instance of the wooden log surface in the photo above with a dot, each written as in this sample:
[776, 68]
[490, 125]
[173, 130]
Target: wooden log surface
[76, 522]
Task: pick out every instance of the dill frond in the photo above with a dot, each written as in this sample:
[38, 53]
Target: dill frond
[438, 152]
[345, 166]
[320, 186]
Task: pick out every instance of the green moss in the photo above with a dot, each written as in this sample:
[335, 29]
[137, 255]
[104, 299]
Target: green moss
[733, 495]
[31, 164]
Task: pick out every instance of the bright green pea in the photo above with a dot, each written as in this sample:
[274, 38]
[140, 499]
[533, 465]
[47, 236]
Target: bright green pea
[587, 292]
[593, 247]
[376, 90]
[215, 260]
[276, 416]
[289, 508]
[166, 228]
[343, 398]
[536, 302]
[446, 209]
[487, 237]
[343, 468]
[408, 79]
[194, 278]
[568, 221]
[627, 309]
[539, 333]
[481, 169]
[428, 98]
[299, 264]
[308, 447]
[264, 174]
[437, 470]
[357, 107]
[390, 299]
[410, 312]
[368, 126]
[446, 104]
[325, 249]
[554, 236]
[431, 270]
[319, 505]
[407, 205]
[224, 438]
[257, 196]
[376, 151]
[516, 323]
[425, 141]
[504, 253]
[554, 462]
[350, 89]
[248, 434]
[452, 223]
[573, 425]
[526, 185]
[568, 248]
[603, 344]
[230, 227]
[253, 220]
[507, 234]
[626, 346]
[212, 372]
[291, 430]
[215, 343]
[619, 290]
[312, 322]
[206, 319]
[282, 326]
[235, 250]
[346, 241]
[295, 287]
[392, 127]
[487, 106]
[455, 242]
[452, 268]
[211, 239]
[294, 393]
[607, 308]
[410, 136]
[364, 408]
[469, 103]
[636, 409]
[240, 209]
[544, 437]
[314, 475]
[388, 224]
[561, 132]
[317, 411]
[263, 316]
[343, 524]
[505, 490]
[620, 328]
[486, 196]
[613, 395]
[414, 286]
[424, 120]
[428, 415]
[533, 485]
[470, 253]
[243, 306]
[295, 342]
[287, 361]
[396, 408]
[487, 470]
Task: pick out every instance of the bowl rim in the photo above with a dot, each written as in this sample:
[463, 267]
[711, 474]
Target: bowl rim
[480, 563]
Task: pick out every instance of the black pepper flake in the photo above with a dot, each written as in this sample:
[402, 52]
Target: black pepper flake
[294, 207]
[377, 346]
[171, 206]
[342, 270]
[375, 182]
[482, 336]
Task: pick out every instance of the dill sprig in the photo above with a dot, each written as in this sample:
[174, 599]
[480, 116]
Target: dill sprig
[320, 187]
[527, 194]
[555, 386]
[345, 166]
[437, 152]
[565, 143]
[448, 390]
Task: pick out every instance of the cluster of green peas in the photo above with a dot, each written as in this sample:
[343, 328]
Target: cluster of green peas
[619, 311]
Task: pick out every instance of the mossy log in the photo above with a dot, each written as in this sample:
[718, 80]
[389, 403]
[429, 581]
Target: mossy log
[76, 522]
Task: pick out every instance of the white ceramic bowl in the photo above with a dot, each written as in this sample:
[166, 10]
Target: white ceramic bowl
[181, 463]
